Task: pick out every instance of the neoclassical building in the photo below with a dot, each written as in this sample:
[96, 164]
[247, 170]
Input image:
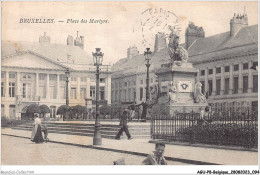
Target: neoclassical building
[223, 63]
[35, 73]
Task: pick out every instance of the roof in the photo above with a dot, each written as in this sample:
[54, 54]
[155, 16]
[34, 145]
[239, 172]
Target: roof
[55, 52]
[222, 41]
[136, 64]
[203, 49]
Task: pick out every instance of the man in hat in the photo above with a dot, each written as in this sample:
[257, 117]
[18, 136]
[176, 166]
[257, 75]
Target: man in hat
[124, 127]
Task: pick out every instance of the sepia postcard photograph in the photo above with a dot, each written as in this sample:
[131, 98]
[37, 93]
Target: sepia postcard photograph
[86, 86]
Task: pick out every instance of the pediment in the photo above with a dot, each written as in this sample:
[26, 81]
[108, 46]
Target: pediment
[29, 60]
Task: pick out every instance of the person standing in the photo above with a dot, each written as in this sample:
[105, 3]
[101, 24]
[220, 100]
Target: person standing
[157, 157]
[37, 131]
[124, 127]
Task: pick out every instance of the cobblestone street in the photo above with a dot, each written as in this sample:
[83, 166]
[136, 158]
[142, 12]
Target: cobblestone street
[21, 151]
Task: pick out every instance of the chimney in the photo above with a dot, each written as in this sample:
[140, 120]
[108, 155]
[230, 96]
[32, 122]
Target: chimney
[70, 40]
[132, 51]
[79, 41]
[160, 42]
[44, 39]
[192, 34]
[237, 23]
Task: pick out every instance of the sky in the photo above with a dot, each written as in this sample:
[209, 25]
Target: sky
[122, 22]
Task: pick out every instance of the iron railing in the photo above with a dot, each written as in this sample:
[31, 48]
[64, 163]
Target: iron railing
[234, 127]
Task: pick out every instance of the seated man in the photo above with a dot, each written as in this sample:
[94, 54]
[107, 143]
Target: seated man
[157, 157]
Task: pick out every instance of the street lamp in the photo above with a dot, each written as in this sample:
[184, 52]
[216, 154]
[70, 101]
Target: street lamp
[147, 55]
[67, 74]
[97, 59]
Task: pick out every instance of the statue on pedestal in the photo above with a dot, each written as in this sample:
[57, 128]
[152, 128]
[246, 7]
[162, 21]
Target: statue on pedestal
[177, 53]
[198, 96]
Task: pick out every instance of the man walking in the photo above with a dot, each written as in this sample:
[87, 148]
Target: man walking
[124, 127]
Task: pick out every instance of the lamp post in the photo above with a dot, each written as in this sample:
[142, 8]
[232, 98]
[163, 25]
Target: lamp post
[147, 55]
[97, 59]
[67, 74]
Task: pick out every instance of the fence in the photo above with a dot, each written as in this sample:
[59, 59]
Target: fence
[234, 127]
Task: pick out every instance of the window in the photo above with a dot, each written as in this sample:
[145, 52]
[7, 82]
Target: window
[73, 78]
[52, 77]
[202, 87]
[52, 92]
[42, 91]
[134, 82]
[129, 95]
[62, 78]
[12, 111]
[245, 84]
[255, 63]
[2, 75]
[83, 79]
[92, 91]
[2, 90]
[245, 66]
[62, 92]
[226, 86]
[102, 80]
[2, 110]
[42, 76]
[210, 87]
[11, 89]
[125, 83]
[134, 94]
[82, 93]
[218, 70]
[11, 75]
[141, 82]
[210, 71]
[151, 80]
[255, 83]
[235, 91]
[202, 72]
[236, 67]
[73, 93]
[218, 85]
[141, 94]
[226, 68]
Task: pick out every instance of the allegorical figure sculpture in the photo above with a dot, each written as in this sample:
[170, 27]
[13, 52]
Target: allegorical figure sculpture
[172, 93]
[198, 96]
[176, 52]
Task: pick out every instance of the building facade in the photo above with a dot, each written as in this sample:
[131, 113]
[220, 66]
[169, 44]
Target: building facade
[223, 63]
[34, 73]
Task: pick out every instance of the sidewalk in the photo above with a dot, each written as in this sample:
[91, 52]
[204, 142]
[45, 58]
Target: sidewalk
[185, 154]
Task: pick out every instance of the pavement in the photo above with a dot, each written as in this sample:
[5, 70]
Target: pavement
[142, 147]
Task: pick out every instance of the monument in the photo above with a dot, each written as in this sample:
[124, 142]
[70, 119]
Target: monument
[178, 88]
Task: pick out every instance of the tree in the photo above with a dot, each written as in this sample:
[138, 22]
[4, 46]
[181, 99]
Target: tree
[62, 110]
[32, 109]
[78, 110]
[44, 109]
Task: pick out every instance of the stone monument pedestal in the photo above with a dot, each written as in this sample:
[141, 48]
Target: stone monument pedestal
[177, 82]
